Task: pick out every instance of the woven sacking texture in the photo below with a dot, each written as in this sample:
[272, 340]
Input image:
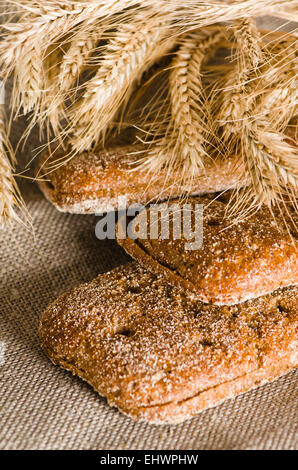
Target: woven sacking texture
[44, 407]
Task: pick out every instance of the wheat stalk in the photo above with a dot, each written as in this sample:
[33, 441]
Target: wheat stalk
[9, 194]
[134, 48]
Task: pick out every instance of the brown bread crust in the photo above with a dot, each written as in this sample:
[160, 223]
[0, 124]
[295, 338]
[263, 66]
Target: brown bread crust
[109, 180]
[158, 353]
[236, 262]
[100, 182]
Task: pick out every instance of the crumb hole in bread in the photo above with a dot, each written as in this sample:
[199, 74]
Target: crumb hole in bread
[125, 332]
[50, 185]
[206, 342]
[223, 198]
[212, 222]
[133, 289]
[280, 308]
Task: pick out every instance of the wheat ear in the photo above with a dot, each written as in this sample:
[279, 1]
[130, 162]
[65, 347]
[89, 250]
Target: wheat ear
[272, 165]
[235, 102]
[29, 80]
[9, 193]
[51, 110]
[248, 39]
[48, 22]
[185, 141]
[134, 48]
[276, 89]
[191, 14]
[82, 45]
[188, 103]
[271, 161]
[279, 103]
[256, 91]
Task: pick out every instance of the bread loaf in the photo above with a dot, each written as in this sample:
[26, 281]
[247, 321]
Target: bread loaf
[158, 353]
[236, 262]
[101, 182]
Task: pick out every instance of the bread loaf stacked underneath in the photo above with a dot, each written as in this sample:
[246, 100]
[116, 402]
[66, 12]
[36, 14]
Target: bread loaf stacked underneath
[150, 338]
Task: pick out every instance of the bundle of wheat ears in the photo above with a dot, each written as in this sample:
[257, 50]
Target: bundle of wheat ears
[84, 71]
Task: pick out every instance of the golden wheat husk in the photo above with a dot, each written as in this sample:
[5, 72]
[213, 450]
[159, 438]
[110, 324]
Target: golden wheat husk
[192, 14]
[254, 124]
[235, 101]
[49, 22]
[133, 49]
[83, 44]
[272, 168]
[49, 33]
[279, 103]
[9, 194]
[51, 109]
[186, 138]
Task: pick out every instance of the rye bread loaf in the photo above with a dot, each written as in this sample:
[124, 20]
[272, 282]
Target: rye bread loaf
[158, 353]
[108, 180]
[236, 262]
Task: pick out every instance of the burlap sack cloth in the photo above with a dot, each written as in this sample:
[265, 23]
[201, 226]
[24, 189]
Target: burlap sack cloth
[44, 407]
